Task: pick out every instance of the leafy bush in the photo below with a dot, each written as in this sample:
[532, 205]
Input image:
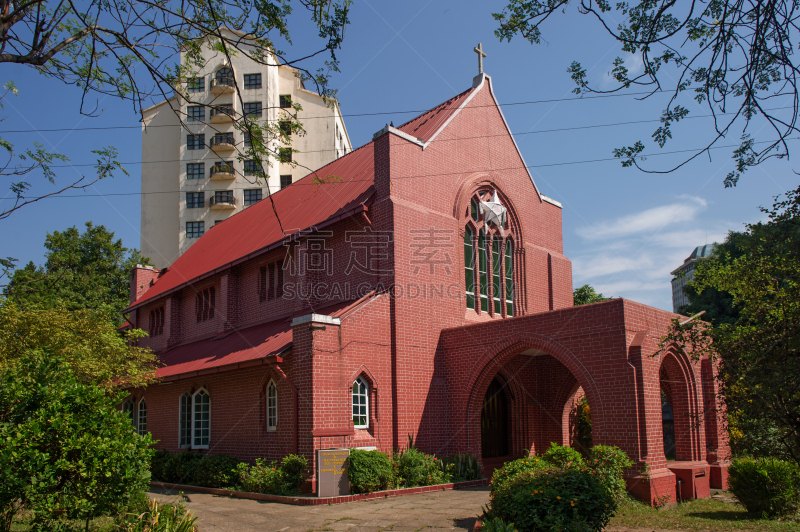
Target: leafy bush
[157, 517]
[158, 466]
[495, 524]
[562, 456]
[370, 471]
[510, 470]
[553, 499]
[66, 452]
[269, 477]
[415, 468]
[766, 486]
[609, 465]
[215, 471]
[461, 467]
[176, 468]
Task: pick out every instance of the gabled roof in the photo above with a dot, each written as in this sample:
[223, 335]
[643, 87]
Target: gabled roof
[427, 124]
[305, 204]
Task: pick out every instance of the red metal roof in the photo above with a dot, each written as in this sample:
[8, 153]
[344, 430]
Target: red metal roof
[239, 346]
[425, 125]
[308, 202]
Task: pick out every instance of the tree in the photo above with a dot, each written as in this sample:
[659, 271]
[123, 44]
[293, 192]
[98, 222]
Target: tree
[586, 294]
[759, 353]
[85, 340]
[733, 56]
[89, 270]
[65, 449]
[129, 49]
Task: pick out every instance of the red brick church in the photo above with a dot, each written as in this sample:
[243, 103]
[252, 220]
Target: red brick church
[415, 286]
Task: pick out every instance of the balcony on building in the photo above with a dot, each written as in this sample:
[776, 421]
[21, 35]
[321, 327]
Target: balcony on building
[222, 171]
[222, 200]
[222, 84]
[222, 113]
[222, 142]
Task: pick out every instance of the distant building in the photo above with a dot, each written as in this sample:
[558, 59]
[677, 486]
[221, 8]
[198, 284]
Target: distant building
[683, 275]
[196, 174]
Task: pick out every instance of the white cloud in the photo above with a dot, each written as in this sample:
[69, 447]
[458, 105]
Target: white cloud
[634, 64]
[600, 265]
[650, 220]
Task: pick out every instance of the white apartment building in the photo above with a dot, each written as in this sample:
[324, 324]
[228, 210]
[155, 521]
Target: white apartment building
[684, 274]
[196, 174]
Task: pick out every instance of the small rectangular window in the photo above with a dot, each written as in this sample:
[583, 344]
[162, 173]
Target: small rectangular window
[252, 81]
[271, 289]
[251, 168]
[252, 108]
[197, 84]
[252, 196]
[195, 229]
[195, 170]
[224, 196]
[222, 138]
[247, 142]
[286, 180]
[262, 284]
[285, 155]
[195, 200]
[195, 113]
[286, 128]
[286, 101]
[205, 304]
[279, 280]
[195, 142]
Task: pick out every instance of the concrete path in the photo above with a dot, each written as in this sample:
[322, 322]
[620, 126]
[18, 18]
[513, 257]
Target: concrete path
[444, 510]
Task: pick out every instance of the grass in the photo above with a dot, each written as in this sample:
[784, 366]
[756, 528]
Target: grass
[700, 514]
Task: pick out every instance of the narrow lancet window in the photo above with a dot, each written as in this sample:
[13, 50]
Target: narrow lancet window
[509, 278]
[469, 267]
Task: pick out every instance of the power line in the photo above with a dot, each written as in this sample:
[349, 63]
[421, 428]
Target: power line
[414, 176]
[556, 130]
[105, 128]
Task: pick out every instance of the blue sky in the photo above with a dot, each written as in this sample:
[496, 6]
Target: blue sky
[624, 230]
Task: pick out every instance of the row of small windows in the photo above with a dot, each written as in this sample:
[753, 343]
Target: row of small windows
[270, 281]
[196, 200]
[194, 413]
[501, 257]
[197, 113]
[156, 322]
[223, 75]
[198, 142]
[249, 168]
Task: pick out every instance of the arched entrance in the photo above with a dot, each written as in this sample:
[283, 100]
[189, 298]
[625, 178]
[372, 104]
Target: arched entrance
[494, 421]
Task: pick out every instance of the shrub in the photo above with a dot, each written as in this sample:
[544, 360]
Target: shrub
[510, 470]
[415, 468]
[66, 452]
[609, 465]
[370, 471]
[269, 477]
[180, 467]
[495, 524]
[215, 471]
[461, 467]
[766, 487]
[159, 464]
[562, 456]
[553, 499]
[155, 517]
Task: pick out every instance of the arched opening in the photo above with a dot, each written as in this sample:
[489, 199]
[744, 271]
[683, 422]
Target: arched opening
[579, 415]
[678, 420]
[667, 426]
[494, 421]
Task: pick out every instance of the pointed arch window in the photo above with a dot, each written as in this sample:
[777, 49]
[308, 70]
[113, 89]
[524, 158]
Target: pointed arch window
[469, 267]
[509, 278]
[483, 278]
[201, 419]
[473, 209]
[185, 420]
[272, 406]
[127, 408]
[141, 423]
[497, 257]
[360, 404]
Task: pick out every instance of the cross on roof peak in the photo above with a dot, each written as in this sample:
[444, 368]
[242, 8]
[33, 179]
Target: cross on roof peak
[479, 50]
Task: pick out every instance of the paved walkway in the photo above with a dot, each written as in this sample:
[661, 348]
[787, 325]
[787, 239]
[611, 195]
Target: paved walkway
[443, 510]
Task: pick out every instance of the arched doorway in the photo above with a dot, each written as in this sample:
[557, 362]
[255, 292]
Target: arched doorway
[494, 421]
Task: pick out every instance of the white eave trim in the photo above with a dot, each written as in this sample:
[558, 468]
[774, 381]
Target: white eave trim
[551, 201]
[159, 104]
[316, 318]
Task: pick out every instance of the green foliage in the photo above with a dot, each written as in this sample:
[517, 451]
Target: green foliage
[495, 524]
[720, 54]
[89, 270]
[415, 468]
[370, 471]
[766, 487]
[268, 477]
[608, 465]
[758, 356]
[583, 426]
[553, 499]
[461, 467]
[503, 475]
[586, 294]
[156, 517]
[66, 452]
[562, 456]
[215, 471]
[86, 340]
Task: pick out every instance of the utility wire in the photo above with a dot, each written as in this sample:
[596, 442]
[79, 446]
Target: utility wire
[333, 116]
[297, 183]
